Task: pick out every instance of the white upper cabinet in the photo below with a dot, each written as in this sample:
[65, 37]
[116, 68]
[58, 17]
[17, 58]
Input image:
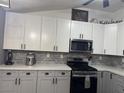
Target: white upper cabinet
[48, 34]
[32, 32]
[22, 32]
[110, 39]
[76, 30]
[63, 35]
[120, 39]
[98, 39]
[14, 31]
[55, 34]
[81, 30]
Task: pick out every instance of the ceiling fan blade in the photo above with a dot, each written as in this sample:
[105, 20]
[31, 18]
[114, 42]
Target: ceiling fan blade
[88, 2]
[105, 3]
[122, 0]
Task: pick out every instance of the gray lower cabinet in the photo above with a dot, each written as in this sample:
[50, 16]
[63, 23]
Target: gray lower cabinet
[105, 82]
[34, 81]
[8, 81]
[110, 83]
[18, 81]
[118, 84]
[53, 82]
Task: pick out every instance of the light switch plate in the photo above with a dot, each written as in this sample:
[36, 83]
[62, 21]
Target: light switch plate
[61, 56]
[100, 57]
[48, 55]
[122, 60]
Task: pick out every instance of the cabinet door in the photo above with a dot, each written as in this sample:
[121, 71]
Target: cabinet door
[62, 85]
[99, 82]
[27, 82]
[110, 37]
[81, 30]
[118, 84]
[45, 85]
[14, 31]
[8, 82]
[120, 40]
[63, 35]
[87, 30]
[76, 30]
[48, 34]
[32, 32]
[98, 39]
[107, 82]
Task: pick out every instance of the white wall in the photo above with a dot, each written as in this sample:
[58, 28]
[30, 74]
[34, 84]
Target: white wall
[2, 22]
[101, 15]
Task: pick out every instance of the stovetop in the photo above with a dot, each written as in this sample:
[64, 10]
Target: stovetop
[80, 66]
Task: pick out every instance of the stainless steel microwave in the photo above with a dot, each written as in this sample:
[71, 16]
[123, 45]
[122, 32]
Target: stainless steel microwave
[78, 45]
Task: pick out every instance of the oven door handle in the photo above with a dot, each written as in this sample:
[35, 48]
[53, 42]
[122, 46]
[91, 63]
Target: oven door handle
[84, 75]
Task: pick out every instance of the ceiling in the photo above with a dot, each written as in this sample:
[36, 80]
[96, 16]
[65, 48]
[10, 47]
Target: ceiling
[42, 5]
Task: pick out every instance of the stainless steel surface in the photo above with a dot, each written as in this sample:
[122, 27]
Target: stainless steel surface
[16, 81]
[30, 59]
[19, 81]
[84, 73]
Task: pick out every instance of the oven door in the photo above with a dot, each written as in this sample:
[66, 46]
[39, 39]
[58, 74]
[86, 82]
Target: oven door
[83, 84]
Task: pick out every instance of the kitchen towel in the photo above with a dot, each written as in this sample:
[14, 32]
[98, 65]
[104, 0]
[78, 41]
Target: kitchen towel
[87, 82]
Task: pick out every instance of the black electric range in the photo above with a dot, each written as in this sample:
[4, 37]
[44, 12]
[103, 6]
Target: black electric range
[83, 77]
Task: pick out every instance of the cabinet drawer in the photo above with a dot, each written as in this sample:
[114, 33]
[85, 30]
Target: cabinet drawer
[62, 73]
[45, 73]
[28, 74]
[8, 75]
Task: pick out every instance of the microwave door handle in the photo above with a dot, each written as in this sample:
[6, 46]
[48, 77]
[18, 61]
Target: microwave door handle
[89, 46]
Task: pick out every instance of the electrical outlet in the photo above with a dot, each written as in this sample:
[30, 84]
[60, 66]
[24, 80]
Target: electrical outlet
[48, 55]
[100, 57]
[122, 60]
[61, 56]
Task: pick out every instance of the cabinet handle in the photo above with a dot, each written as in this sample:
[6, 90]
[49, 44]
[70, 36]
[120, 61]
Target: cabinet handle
[46, 73]
[9, 73]
[24, 46]
[63, 73]
[110, 76]
[104, 51]
[53, 81]
[56, 81]
[21, 46]
[16, 81]
[54, 48]
[82, 36]
[19, 81]
[101, 74]
[28, 73]
[123, 52]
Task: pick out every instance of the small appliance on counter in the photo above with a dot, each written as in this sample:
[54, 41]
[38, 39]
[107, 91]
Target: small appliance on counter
[30, 59]
[9, 58]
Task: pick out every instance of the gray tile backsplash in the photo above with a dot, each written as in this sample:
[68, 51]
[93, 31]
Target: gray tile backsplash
[61, 58]
[47, 57]
[107, 60]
